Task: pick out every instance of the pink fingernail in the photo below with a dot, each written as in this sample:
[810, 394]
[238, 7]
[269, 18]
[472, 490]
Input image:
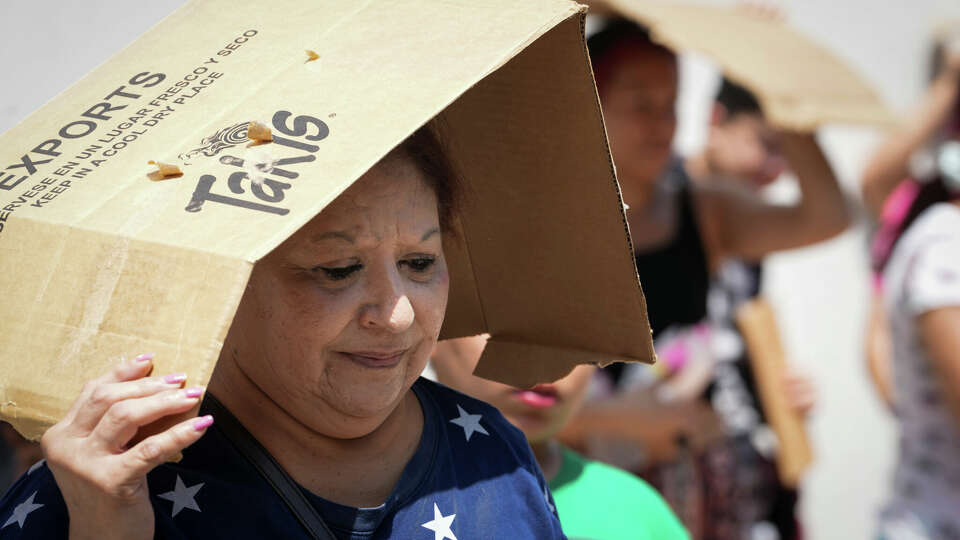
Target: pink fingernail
[145, 357]
[203, 422]
[175, 378]
[194, 392]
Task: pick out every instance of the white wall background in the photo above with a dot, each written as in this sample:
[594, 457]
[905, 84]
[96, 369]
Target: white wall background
[820, 293]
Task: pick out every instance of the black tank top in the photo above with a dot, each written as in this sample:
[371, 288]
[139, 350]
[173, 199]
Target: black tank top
[675, 276]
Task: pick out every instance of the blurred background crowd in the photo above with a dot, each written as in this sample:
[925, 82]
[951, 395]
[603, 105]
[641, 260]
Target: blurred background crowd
[839, 248]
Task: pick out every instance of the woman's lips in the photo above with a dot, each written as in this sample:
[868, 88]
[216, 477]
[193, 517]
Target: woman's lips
[375, 359]
[542, 396]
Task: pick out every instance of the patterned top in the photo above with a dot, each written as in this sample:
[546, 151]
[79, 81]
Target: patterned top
[923, 275]
[472, 476]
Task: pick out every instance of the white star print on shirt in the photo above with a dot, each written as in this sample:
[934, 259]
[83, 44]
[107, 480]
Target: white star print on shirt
[440, 525]
[469, 422]
[21, 512]
[182, 496]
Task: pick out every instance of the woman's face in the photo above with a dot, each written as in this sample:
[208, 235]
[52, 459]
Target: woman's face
[539, 412]
[338, 321]
[639, 112]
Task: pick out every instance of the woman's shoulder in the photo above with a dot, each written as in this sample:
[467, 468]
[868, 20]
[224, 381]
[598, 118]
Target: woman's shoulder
[939, 220]
[924, 268]
[481, 465]
[472, 416]
[33, 507]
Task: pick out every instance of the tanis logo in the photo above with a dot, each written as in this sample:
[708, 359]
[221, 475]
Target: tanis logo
[225, 138]
[266, 191]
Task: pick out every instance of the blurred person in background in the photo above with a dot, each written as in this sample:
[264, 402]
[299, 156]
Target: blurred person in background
[684, 226]
[593, 500]
[892, 181]
[742, 151]
[914, 343]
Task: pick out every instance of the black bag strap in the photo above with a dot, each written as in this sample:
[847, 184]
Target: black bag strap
[268, 468]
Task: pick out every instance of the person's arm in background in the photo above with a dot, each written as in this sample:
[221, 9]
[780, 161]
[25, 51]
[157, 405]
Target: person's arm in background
[879, 350]
[741, 224]
[649, 431]
[890, 164]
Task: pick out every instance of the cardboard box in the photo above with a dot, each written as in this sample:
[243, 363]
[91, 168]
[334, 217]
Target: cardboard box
[799, 83]
[98, 259]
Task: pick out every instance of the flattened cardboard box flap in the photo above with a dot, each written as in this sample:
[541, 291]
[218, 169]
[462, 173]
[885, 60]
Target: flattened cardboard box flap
[800, 84]
[98, 259]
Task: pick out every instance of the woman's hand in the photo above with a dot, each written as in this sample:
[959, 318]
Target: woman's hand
[800, 391]
[101, 476]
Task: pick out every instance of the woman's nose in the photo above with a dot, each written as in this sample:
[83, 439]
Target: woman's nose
[388, 307]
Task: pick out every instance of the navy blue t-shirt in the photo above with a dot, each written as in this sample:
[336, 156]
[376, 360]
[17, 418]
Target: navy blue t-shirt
[472, 476]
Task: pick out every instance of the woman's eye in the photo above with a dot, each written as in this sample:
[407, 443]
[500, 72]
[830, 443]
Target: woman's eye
[419, 264]
[338, 272]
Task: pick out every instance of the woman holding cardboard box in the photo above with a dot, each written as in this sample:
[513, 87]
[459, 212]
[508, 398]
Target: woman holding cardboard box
[321, 366]
[915, 321]
[306, 270]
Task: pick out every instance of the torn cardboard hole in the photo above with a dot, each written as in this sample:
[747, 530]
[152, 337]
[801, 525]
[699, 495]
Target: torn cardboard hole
[164, 171]
[259, 133]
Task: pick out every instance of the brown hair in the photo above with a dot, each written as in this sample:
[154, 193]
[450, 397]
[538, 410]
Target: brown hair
[620, 39]
[428, 153]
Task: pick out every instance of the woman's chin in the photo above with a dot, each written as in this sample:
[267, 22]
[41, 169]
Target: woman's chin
[363, 400]
[533, 426]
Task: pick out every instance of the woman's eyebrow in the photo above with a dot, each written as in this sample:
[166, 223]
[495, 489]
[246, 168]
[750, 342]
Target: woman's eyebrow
[428, 234]
[340, 235]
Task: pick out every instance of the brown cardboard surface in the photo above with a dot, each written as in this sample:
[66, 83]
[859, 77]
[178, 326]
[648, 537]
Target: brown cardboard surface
[758, 325]
[799, 83]
[98, 261]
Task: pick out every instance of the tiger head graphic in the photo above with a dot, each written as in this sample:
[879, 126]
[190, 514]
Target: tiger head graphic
[227, 137]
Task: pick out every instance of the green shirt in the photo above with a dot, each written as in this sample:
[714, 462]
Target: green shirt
[598, 502]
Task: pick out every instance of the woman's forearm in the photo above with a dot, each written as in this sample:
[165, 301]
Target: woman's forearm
[890, 164]
[823, 211]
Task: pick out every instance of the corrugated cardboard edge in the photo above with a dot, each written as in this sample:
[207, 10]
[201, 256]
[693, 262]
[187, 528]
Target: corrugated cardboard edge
[502, 351]
[598, 110]
[526, 374]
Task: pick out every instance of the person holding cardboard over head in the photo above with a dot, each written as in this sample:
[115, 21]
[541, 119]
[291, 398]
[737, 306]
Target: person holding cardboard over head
[913, 185]
[683, 229]
[594, 500]
[303, 235]
[741, 153]
[894, 180]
